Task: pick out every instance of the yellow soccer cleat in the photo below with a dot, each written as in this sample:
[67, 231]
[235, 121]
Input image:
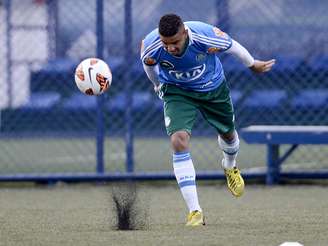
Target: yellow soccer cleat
[235, 181]
[195, 218]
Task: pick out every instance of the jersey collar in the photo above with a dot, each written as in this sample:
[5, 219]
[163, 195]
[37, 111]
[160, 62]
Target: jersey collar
[189, 34]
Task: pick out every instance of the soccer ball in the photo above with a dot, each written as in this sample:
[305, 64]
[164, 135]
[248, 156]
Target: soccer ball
[93, 76]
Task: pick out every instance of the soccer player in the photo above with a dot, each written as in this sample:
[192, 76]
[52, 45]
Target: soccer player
[181, 59]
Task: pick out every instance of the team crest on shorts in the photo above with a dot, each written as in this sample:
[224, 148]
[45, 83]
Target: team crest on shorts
[167, 121]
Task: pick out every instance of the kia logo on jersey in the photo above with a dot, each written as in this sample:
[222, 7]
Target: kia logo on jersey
[192, 74]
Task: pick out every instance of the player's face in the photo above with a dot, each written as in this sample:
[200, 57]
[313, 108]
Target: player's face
[175, 44]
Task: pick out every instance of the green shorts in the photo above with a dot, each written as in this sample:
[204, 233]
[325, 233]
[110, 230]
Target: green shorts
[181, 107]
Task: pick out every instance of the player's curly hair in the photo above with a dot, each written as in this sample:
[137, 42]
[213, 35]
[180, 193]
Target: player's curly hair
[169, 25]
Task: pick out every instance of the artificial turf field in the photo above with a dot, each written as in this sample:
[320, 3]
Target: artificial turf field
[65, 155]
[83, 214]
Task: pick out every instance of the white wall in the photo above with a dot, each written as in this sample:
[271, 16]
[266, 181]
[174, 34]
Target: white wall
[3, 62]
[28, 46]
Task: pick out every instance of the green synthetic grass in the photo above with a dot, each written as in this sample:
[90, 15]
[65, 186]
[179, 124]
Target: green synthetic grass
[40, 155]
[79, 154]
[83, 215]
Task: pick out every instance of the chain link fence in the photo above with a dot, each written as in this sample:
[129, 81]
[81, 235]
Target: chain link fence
[48, 126]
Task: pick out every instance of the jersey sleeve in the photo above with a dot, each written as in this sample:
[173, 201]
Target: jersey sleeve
[150, 49]
[212, 38]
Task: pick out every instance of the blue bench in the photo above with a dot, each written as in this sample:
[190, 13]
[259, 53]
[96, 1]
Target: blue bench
[79, 101]
[319, 63]
[42, 101]
[265, 98]
[311, 99]
[274, 136]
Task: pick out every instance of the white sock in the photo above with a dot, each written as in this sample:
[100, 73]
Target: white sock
[230, 151]
[186, 177]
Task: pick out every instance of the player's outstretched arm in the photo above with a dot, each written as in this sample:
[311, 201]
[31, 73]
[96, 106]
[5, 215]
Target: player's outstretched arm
[247, 59]
[262, 66]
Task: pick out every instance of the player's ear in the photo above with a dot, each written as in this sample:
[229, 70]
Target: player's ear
[185, 32]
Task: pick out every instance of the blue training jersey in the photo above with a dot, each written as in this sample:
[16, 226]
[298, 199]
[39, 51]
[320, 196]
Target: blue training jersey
[199, 68]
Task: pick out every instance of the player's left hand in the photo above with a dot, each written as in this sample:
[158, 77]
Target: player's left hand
[262, 66]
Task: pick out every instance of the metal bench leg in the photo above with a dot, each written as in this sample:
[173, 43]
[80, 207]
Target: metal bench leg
[273, 171]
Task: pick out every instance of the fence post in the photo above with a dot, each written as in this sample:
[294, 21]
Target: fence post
[100, 99]
[128, 89]
[52, 27]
